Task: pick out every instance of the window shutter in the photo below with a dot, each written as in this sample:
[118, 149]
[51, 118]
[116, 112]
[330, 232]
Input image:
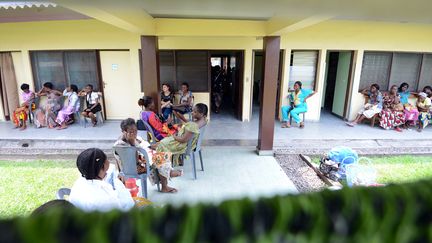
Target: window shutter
[166, 68]
[405, 69]
[303, 68]
[426, 72]
[375, 69]
[192, 68]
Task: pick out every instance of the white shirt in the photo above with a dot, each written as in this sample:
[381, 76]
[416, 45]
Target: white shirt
[92, 98]
[100, 195]
[73, 99]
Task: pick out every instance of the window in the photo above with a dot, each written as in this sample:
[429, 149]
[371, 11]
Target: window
[192, 67]
[303, 68]
[167, 68]
[405, 68]
[63, 68]
[375, 70]
[387, 69]
[426, 72]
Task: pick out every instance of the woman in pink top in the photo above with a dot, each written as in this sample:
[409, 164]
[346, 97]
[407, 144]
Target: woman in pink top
[19, 116]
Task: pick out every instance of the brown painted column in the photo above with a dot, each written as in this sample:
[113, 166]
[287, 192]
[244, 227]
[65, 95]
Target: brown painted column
[267, 95]
[150, 68]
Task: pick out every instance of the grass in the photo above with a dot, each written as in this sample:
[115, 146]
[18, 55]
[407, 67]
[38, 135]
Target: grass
[25, 185]
[400, 169]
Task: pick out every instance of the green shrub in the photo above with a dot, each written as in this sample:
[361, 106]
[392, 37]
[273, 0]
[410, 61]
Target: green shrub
[396, 213]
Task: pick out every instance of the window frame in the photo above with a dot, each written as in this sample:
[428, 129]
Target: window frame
[419, 71]
[38, 83]
[315, 85]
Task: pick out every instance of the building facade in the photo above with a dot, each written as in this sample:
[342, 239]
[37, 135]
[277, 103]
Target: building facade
[335, 57]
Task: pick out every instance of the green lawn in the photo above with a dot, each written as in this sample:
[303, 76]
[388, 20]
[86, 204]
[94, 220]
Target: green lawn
[25, 185]
[399, 169]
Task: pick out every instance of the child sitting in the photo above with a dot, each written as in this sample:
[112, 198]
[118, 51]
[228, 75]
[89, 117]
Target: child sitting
[19, 116]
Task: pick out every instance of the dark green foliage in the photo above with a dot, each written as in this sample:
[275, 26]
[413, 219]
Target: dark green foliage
[397, 213]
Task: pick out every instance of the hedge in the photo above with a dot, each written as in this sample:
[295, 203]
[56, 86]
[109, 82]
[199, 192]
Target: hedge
[396, 213]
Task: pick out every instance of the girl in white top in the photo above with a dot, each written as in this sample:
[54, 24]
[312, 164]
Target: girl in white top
[73, 106]
[99, 189]
[92, 103]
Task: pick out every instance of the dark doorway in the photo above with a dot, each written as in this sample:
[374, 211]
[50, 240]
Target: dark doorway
[331, 80]
[226, 75]
[258, 72]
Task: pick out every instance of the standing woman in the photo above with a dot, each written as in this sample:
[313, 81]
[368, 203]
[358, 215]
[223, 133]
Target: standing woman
[392, 115]
[92, 103]
[73, 105]
[374, 105]
[411, 112]
[45, 116]
[297, 105]
[167, 100]
[185, 104]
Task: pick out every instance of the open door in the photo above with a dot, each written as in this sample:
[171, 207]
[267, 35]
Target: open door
[338, 82]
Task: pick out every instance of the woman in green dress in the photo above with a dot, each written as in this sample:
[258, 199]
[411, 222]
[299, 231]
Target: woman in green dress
[177, 144]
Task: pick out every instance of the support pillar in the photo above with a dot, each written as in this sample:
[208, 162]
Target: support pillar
[150, 68]
[267, 95]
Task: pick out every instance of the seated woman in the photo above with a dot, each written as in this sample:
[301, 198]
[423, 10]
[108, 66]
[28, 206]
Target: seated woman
[73, 105]
[177, 144]
[160, 129]
[163, 167]
[92, 103]
[167, 100]
[374, 105]
[185, 103]
[19, 116]
[45, 115]
[297, 105]
[410, 111]
[428, 91]
[424, 105]
[392, 115]
[92, 192]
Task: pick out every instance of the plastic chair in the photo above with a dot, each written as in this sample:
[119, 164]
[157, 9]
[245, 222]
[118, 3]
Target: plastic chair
[150, 132]
[198, 146]
[62, 192]
[302, 113]
[191, 152]
[128, 158]
[99, 119]
[99, 114]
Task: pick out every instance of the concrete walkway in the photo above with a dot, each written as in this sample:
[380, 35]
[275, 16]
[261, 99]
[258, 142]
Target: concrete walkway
[229, 174]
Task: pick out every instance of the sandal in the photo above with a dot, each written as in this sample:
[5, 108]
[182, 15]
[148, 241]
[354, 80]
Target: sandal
[171, 190]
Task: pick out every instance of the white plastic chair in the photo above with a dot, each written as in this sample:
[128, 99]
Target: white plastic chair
[128, 158]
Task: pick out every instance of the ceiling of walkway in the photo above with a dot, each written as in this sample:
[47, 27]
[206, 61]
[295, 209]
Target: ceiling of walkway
[417, 11]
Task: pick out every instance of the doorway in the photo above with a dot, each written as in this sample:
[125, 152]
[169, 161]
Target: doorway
[226, 75]
[258, 76]
[338, 83]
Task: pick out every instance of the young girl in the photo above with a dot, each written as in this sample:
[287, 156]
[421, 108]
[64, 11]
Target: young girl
[19, 116]
[167, 100]
[72, 106]
[185, 105]
[92, 103]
